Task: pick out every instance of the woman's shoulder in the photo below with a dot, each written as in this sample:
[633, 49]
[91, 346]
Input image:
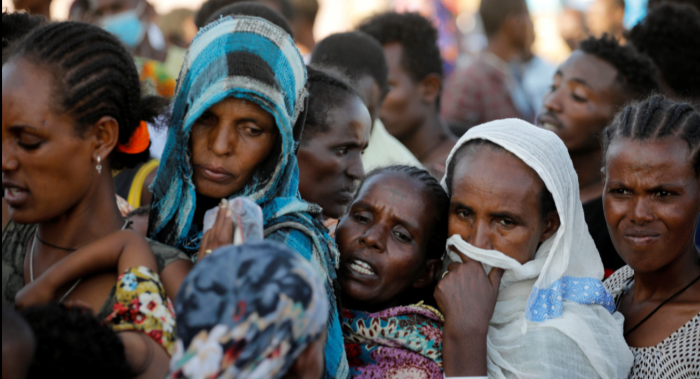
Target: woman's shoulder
[619, 279]
[165, 255]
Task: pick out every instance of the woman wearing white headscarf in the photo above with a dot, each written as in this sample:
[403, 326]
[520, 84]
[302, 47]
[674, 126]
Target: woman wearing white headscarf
[539, 310]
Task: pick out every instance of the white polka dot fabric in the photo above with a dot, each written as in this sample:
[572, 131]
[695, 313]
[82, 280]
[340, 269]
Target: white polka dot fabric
[676, 357]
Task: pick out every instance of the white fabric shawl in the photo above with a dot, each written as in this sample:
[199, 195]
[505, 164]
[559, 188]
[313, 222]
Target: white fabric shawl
[553, 318]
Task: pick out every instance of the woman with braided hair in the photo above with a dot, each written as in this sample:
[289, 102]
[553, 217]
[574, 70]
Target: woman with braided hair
[235, 129]
[72, 110]
[652, 203]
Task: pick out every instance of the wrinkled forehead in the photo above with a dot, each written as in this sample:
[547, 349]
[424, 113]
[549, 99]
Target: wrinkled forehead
[590, 71]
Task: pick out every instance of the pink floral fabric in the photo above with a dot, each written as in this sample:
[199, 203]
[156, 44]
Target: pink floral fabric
[399, 343]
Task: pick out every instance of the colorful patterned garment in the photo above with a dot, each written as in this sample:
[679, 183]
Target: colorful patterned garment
[402, 342]
[156, 77]
[247, 58]
[142, 306]
[247, 312]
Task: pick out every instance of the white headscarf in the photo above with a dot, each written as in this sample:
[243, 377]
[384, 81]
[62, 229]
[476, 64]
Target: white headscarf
[553, 318]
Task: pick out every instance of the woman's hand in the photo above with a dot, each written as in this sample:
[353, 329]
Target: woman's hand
[467, 294]
[221, 234]
[467, 297]
[38, 292]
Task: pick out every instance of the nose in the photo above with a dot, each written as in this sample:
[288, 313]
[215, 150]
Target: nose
[356, 169]
[552, 102]
[641, 212]
[480, 236]
[221, 141]
[9, 161]
[373, 238]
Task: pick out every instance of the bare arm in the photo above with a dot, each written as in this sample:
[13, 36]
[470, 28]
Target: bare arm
[467, 297]
[118, 251]
[147, 359]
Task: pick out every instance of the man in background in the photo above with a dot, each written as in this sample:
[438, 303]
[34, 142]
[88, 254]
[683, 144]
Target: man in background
[305, 12]
[411, 109]
[488, 89]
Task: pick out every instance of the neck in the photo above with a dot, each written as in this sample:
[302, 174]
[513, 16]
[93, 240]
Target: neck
[501, 47]
[95, 216]
[587, 165]
[427, 136]
[667, 281]
[43, 9]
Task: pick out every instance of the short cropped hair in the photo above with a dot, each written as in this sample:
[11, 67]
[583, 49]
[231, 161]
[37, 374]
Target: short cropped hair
[416, 34]
[356, 54]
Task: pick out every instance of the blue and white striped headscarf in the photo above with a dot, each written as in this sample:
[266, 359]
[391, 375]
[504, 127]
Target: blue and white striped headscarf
[252, 59]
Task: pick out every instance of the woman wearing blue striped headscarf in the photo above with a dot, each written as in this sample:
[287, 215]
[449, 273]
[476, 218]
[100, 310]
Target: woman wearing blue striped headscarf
[238, 99]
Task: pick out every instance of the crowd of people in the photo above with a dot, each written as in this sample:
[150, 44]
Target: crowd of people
[405, 223]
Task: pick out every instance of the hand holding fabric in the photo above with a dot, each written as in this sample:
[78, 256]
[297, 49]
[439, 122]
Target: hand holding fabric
[467, 297]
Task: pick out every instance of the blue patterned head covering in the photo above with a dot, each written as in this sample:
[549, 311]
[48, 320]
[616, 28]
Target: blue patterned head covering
[247, 312]
[246, 58]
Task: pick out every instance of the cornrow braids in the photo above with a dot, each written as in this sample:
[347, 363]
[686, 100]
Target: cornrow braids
[547, 204]
[94, 76]
[435, 245]
[328, 90]
[655, 118]
[15, 26]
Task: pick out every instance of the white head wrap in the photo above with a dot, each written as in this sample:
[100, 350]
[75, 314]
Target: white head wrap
[553, 318]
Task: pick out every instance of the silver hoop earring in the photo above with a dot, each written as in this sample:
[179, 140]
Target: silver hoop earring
[99, 165]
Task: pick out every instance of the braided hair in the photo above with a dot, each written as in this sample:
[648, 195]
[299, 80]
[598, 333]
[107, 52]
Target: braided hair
[547, 204]
[94, 76]
[435, 245]
[15, 26]
[657, 118]
[328, 90]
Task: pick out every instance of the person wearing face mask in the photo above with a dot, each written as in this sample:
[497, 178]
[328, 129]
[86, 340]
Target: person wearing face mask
[132, 21]
[527, 301]
[588, 89]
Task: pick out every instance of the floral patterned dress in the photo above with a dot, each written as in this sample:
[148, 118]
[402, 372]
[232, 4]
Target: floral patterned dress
[142, 306]
[401, 342]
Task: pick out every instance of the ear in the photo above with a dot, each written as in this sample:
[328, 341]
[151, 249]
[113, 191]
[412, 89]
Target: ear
[552, 224]
[105, 135]
[430, 88]
[433, 269]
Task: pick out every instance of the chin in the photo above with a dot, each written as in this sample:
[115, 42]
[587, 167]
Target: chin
[214, 190]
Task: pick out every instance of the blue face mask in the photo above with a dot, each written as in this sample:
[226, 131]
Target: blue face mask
[127, 26]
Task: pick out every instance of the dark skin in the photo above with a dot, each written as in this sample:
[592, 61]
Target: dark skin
[229, 143]
[582, 102]
[495, 206]
[371, 94]
[410, 113]
[330, 162]
[105, 8]
[652, 203]
[72, 204]
[5, 214]
[42, 7]
[63, 194]
[387, 228]
[514, 37]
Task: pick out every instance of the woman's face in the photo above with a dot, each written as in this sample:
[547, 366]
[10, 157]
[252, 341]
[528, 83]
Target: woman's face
[382, 242]
[495, 204]
[330, 162]
[581, 102]
[229, 143]
[47, 168]
[652, 201]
